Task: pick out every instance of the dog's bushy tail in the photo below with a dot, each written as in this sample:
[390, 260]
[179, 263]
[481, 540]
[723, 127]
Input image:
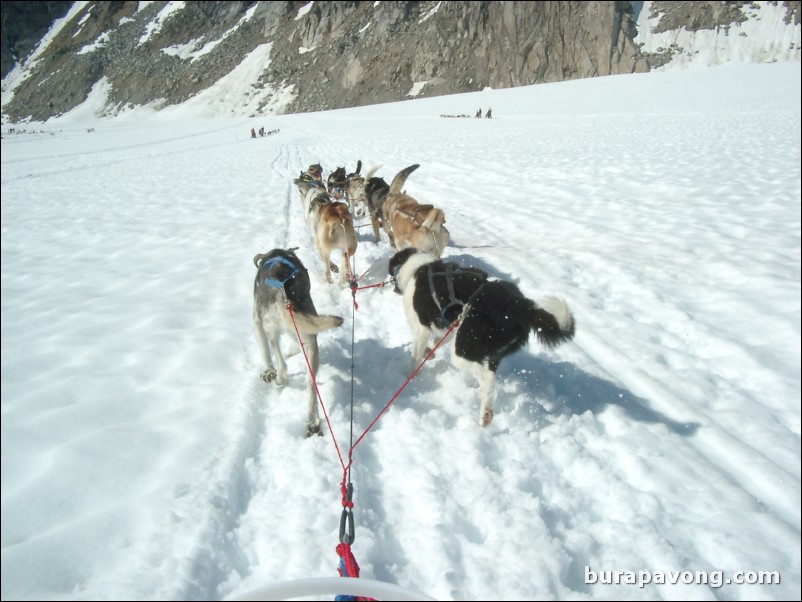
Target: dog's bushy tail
[401, 177]
[501, 308]
[311, 324]
[552, 321]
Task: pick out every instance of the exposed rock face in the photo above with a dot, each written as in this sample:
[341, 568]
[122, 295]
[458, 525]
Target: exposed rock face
[708, 15]
[681, 16]
[24, 24]
[325, 55]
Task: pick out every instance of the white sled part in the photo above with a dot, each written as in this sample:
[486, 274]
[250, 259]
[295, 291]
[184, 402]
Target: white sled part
[346, 586]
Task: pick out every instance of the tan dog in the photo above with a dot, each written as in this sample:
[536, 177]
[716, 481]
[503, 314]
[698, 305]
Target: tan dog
[420, 227]
[333, 229]
[410, 224]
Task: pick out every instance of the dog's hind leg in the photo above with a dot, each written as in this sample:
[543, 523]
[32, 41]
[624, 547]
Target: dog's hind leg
[345, 270]
[267, 336]
[325, 255]
[487, 393]
[389, 232]
[269, 375]
[312, 415]
[420, 339]
[487, 386]
[375, 221]
[281, 372]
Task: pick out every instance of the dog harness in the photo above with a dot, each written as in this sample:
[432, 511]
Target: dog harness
[321, 198]
[273, 261]
[310, 181]
[415, 216]
[452, 301]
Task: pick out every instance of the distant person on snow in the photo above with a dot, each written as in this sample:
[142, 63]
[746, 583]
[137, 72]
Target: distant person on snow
[253, 133]
[479, 113]
[489, 113]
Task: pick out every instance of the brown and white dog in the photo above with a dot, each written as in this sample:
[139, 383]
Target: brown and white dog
[333, 228]
[282, 283]
[410, 224]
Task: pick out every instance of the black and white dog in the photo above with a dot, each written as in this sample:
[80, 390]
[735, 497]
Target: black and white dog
[495, 318]
[282, 282]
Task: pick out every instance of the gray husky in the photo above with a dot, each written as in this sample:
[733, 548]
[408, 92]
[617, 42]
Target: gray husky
[282, 283]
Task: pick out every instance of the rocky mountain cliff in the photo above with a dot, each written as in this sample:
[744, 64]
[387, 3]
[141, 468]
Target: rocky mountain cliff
[310, 56]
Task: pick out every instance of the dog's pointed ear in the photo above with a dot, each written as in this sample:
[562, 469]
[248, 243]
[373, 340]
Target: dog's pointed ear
[358, 166]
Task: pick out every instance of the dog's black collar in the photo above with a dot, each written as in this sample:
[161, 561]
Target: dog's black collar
[393, 278]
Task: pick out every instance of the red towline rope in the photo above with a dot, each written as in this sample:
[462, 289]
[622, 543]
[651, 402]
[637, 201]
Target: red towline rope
[362, 288]
[409, 379]
[348, 566]
[386, 406]
[355, 288]
[314, 383]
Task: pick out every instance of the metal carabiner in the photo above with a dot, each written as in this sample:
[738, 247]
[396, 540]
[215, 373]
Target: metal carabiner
[347, 535]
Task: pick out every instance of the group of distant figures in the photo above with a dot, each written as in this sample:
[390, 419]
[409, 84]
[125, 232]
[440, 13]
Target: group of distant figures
[14, 130]
[262, 132]
[488, 115]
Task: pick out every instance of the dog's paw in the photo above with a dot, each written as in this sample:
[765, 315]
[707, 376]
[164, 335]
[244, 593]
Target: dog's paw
[313, 429]
[487, 417]
[269, 375]
[333, 267]
[428, 352]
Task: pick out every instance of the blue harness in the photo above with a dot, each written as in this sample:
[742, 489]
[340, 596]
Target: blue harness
[273, 282]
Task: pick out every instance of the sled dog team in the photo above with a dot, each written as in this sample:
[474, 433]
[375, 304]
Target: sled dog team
[492, 318]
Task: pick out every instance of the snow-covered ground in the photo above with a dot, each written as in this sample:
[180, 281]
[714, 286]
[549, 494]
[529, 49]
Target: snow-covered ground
[143, 458]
